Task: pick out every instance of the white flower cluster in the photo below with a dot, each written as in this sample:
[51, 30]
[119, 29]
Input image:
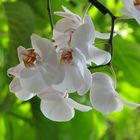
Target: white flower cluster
[52, 70]
[132, 9]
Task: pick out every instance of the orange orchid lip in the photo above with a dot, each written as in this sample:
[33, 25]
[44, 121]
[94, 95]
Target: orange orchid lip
[67, 57]
[136, 2]
[29, 57]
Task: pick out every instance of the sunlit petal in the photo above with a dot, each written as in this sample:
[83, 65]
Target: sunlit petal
[98, 56]
[41, 45]
[78, 106]
[16, 88]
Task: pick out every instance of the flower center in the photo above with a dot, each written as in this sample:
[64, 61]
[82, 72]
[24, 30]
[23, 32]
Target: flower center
[67, 57]
[137, 4]
[30, 57]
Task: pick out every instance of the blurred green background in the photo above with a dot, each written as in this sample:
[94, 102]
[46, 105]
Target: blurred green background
[23, 120]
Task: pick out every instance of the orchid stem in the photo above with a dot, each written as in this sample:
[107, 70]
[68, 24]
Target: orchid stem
[111, 38]
[104, 10]
[101, 7]
[49, 13]
[113, 74]
[86, 10]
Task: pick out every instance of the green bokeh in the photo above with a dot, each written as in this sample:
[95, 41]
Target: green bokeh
[23, 120]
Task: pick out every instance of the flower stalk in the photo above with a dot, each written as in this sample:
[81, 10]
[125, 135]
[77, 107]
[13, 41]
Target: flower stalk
[105, 11]
[49, 13]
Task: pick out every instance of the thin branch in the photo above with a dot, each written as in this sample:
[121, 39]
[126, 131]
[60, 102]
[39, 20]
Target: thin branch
[111, 37]
[49, 13]
[104, 10]
[101, 7]
[113, 75]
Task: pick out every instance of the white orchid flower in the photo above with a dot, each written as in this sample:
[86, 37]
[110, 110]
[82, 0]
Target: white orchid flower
[80, 33]
[57, 106]
[77, 77]
[37, 69]
[103, 96]
[132, 9]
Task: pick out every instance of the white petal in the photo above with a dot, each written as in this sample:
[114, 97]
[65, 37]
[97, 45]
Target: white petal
[126, 12]
[63, 25]
[98, 56]
[129, 4]
[136, 15]
[86, 31]
[66, 9]
[130, 104]
[72, 79]
[16, 88]
[51, 94]
[20, 50]
[78, 106]
[86, 84]
[82, 38]
[41, 45]
[69, 15]
[57, 109]
[104, 100]
[51, 61]
[103, 79]
[78, 55]
[55, 71]
[102, 94]
[59, 74]
[63, 30]
[15, 71]
[131, 10]
[61, 39]
[15, 85]
[35, 80]
[104, 35]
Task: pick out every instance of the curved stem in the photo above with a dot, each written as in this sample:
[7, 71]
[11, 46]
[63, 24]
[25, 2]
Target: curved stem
[114, 75]
[104, 10]
[111, 47]
[101, 7]
[111, 37]
[49, 13]
[86, 10]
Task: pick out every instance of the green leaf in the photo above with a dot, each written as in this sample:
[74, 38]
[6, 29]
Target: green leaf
[21, 21]
[127, 60]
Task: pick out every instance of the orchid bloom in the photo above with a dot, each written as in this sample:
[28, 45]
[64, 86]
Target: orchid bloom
[77, 77]
[103, 96]
[57, 106]
[132, 9]
[80, 33]
[37, 69]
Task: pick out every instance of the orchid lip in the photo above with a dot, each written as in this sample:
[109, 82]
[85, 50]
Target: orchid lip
[67, 56]
[137, 4]
[30, 57]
